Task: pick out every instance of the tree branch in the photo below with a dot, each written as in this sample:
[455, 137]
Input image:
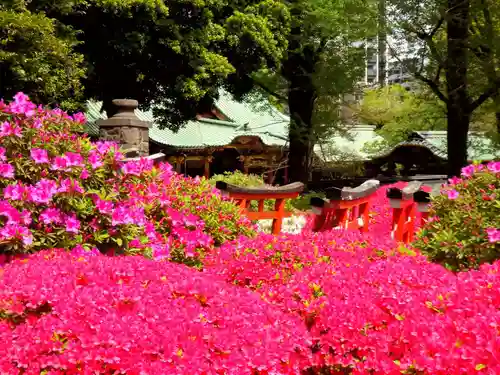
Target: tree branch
[433, 86]
[492, 90]
[270, 92]
[436, 27]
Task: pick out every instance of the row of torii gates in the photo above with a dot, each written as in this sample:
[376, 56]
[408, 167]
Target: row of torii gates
[347, 208]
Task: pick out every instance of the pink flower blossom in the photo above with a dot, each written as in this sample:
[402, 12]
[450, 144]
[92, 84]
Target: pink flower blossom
[15, 192]
[493, 235]
[80, 251]
[454, 181]
[7, 129]
[468, 171]
[39, 155]
[6, 170]
[452, 194]
[84, 174]
[80, 118]
[3, 156]
[73, 159]
[95, 159]
[69, 185]
[60, 163]
[43, 191]
[72, 224]
[51, 215]
[494, 167]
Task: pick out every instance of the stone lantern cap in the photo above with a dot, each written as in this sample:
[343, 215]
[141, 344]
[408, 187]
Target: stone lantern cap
[125, 115]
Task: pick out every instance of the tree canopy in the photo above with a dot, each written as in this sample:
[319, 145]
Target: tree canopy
[174, 54]
[457, 45]
[324, 60]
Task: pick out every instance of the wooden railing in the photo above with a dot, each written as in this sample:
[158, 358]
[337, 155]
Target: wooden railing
[244, 196]
[347, 208]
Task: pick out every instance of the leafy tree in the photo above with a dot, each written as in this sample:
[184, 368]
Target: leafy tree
[37, 58]
[173, 54]
[458, 45]
[177, 58]
[324, 60]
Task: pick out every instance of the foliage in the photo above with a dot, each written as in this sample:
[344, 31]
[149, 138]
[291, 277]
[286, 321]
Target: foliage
[464, 230]
[397, 112]
[324, 61]
[370, 308]
[455, 44]
[61, 191]
[61, 314]
[238, 178]
[174, 54]
[36, 58]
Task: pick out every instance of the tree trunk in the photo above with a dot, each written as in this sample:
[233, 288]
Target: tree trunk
[382, 42]
[496, 101]
[458, 106]
[301, 134]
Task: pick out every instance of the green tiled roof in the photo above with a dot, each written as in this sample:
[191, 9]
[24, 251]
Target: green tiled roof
[351, 144]
[480, 147]
[246, 119]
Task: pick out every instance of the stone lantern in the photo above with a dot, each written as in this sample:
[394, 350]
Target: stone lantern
[125, 127]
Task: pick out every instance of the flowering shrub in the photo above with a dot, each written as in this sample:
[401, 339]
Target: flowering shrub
[59, 190]
[464, 230]
[61, 314]
[370, 309]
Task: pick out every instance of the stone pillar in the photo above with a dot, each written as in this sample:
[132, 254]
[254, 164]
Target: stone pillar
[125, 128]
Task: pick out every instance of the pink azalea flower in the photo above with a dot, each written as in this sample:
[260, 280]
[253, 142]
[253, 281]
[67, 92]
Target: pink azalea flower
[84, 174]
[79, 117]
[6, 170]
[7, 129]
[452, 194]
[15, 192]
[494, 167]
[59, 164]
[51, 215]
[80, 251]
[39, 155]
[493, 235]
[73, 159]
[468, 171]
[72, 224]
[454, 181]
[69, 185]
[43, 191]
[94, 159]
[2, 154]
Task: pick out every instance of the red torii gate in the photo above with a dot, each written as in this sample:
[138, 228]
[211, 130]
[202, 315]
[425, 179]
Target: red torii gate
[346, 208]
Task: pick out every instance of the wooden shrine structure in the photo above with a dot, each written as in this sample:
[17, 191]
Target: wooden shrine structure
[245, 153]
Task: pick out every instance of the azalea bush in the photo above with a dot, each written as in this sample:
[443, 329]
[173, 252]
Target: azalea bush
[369, 308]
[61, 314]
[59, 190]
[464, 229]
